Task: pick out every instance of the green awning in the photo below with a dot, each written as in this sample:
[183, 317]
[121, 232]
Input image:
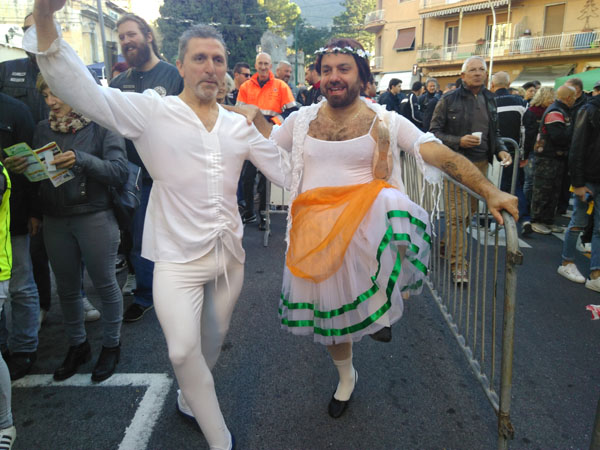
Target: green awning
[589, 78]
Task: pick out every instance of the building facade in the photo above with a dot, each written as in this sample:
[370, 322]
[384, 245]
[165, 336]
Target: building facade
[79, 21]
[534, 39]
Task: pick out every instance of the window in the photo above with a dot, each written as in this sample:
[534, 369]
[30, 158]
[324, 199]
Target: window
[451, 34]
[554, 20]
[405, 40]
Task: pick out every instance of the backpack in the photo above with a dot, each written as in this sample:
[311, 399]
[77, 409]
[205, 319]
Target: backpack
[128, 197]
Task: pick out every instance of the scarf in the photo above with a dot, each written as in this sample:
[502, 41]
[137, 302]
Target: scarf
[71, 123]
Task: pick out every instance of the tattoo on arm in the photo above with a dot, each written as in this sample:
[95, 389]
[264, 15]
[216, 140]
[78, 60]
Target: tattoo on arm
[450, 168]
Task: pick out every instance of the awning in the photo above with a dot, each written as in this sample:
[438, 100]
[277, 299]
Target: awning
[588, 78]
[467, 8]
[405, 39]
[546, 75]
[384, 81]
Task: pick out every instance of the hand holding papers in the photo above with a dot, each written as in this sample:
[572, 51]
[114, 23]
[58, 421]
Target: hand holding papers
[37, 166]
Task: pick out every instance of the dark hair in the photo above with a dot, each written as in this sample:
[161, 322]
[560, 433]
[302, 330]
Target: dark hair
[311, 67]
[575, 82]
[199, 31]
[537, 84]
[450, 85]
[145, 29]
[393, 82]
[417, 85]
[239, 66]
[120, 67]
[364, 69]
[458, 82]
[529, 84]
[371, 79]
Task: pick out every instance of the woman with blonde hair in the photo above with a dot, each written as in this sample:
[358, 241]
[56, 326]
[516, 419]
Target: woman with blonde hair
[543, 98]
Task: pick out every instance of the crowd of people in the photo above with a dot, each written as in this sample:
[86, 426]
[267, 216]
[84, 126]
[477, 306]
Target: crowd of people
[205, 140]
[542, 122]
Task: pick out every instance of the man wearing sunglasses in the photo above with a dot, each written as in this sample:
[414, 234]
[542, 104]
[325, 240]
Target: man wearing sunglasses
[241, 73]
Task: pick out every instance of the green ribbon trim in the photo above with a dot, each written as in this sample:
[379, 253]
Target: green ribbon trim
[385, 242]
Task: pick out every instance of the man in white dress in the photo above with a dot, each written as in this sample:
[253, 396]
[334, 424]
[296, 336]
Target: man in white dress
[194, 151]
[336, 296]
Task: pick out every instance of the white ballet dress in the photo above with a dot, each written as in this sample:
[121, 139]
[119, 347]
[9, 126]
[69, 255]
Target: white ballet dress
[387, 256]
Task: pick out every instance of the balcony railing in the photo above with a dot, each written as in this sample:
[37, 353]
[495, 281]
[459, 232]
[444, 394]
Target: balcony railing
[430, 3]
[374, 17]
[566, 42]
[376, 62]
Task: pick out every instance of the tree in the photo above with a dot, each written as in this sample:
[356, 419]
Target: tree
[350, 23]
[588, 11]
[281, 15]
[310, 39]
[241, 22]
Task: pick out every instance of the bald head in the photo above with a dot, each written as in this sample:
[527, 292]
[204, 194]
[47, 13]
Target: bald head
[500, 80]
[566, 94]
[263, 66]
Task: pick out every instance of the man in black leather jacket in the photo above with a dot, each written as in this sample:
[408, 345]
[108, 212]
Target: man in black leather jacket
[468, 109]
[556, 131]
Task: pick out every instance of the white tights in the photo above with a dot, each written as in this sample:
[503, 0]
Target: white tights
[194, 312]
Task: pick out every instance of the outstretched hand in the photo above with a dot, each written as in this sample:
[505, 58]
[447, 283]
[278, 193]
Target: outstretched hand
[48, 7]
[498, 200]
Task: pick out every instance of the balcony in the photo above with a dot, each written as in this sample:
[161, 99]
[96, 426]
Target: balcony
[565, 44]
[377, 63]
[374, 21]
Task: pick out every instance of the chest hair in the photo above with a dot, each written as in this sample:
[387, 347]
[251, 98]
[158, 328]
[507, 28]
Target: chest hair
[326, 129]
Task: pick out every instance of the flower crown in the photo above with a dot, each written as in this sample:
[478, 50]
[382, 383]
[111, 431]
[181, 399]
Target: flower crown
[347, 50]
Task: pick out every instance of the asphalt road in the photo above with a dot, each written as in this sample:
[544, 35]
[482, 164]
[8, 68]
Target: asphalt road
[416, 392]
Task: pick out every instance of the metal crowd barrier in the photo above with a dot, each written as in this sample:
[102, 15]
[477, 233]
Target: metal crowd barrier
[480, 312]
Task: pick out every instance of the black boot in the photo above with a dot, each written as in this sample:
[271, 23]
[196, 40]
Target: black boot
[107, 363]
[20, 363]
[77, 355]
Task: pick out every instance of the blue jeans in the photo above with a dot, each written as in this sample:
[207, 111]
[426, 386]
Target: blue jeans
[6, 419]
[579, 220]
[93, 238]
[143, 267]
[24, 301]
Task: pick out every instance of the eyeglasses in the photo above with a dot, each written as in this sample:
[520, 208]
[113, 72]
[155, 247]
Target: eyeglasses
[247, 75]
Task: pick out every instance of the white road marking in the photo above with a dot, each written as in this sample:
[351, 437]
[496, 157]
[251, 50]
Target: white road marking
[138, 433]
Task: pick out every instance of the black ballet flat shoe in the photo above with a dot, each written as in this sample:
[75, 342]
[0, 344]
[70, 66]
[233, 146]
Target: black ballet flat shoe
[337, 407]
[383, 335]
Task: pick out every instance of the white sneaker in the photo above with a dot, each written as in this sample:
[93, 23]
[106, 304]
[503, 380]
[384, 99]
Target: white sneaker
[557, 229]
[91, 313]
[570, 272]
[594, 285]
[7, 438]
[130, 284]
[540, 228]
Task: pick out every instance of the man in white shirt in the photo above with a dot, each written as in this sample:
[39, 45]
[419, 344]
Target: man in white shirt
[194, 151]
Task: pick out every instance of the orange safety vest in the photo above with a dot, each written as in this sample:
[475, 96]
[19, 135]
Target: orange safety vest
[272, 99]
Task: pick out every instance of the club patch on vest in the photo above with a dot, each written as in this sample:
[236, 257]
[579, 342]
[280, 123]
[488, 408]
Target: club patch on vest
[161, 91]
[17, 80]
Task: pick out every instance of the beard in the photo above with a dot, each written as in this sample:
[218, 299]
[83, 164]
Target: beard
[140, 57]
[206, 93]
[336, 101]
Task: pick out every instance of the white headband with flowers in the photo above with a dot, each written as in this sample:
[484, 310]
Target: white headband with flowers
[347, 50]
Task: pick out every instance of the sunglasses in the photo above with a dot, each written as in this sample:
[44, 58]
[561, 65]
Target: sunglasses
[247, 75]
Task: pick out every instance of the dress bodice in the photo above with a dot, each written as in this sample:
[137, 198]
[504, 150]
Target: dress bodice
[337, 163]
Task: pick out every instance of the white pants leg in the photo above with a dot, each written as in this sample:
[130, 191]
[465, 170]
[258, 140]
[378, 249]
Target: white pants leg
[194, 313]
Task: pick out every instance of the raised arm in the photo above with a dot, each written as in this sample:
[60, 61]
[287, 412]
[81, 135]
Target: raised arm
[70, 80]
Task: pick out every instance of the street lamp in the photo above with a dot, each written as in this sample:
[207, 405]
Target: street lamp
[493, 44]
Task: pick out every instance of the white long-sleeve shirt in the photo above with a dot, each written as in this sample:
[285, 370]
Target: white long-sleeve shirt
[193, 202]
